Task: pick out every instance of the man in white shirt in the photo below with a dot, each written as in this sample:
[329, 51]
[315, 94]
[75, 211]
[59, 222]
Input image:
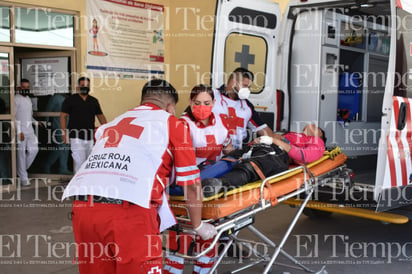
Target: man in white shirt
[27, 144]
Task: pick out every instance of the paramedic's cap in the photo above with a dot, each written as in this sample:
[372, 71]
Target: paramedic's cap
[159, 87]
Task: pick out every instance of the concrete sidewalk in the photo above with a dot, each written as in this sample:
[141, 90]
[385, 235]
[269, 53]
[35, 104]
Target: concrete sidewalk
[36, 238]
[36, 233]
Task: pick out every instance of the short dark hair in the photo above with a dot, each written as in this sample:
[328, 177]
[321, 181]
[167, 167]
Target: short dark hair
[84, 78]
[159, 87]
[24, 80]
[244, 72]
[323, 136]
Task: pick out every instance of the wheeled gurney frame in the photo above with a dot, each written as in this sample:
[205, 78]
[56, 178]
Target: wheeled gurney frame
[244, 219]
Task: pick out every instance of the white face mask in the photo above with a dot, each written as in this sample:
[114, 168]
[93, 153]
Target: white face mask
[243, 93]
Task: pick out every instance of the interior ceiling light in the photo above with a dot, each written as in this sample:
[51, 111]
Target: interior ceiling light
[367, 5]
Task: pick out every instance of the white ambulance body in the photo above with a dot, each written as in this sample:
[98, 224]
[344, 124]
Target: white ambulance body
[344, 65]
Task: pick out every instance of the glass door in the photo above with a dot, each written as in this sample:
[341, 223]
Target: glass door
[50, 77]
[7, 145]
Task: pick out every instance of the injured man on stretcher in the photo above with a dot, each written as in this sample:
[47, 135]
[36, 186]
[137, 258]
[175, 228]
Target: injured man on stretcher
[265, 157]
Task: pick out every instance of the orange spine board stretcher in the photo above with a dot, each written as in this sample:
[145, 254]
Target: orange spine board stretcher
[249, 195]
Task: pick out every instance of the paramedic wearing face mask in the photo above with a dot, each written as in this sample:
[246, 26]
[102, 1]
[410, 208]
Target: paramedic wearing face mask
[211, 140]
[120, 205]
[208, 132]
[27, 144]
[80, 109]
[232, 102]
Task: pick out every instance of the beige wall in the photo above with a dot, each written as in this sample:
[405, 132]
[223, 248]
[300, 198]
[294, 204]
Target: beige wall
[188, 47]
[282, 4]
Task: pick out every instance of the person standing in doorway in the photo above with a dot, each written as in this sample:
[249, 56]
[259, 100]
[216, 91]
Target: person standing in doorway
[27, 144]
[81, 109]
[60, 152]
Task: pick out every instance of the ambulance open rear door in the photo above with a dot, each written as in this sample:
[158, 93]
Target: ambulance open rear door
[394, 170]
[246, 35]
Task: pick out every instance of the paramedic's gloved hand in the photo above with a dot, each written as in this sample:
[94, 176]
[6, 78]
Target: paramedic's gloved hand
[206, 231]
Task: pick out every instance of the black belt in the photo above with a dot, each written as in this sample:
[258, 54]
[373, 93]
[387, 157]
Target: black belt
[99, 199]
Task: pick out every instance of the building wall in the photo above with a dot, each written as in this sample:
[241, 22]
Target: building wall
[188, 34]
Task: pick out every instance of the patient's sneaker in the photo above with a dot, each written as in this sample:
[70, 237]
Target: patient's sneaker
[211, 186]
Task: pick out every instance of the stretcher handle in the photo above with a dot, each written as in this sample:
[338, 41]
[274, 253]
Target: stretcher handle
[265, 183]
[220, 229]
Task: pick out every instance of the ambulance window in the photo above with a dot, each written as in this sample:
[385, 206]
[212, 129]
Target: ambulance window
[253, 17]
[248, 51]
[403, 75]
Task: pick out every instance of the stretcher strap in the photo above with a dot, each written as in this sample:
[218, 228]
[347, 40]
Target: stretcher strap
[258, 170]
[273, 196]
[228, 159]
[268, 185]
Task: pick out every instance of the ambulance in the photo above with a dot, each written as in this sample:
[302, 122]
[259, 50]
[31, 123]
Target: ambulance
[343, 65]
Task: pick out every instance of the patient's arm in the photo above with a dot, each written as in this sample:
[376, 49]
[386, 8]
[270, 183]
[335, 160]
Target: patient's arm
[311, 152]
[228, 149]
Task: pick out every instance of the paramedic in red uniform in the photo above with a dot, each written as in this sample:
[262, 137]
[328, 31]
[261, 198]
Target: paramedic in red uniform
[120, 205]
[208, 131]
[231, 101]
[211, 140]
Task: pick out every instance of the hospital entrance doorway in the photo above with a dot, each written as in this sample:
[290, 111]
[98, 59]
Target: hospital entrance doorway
[52, 79]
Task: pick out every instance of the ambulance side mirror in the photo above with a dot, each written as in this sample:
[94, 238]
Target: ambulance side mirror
[403, 109]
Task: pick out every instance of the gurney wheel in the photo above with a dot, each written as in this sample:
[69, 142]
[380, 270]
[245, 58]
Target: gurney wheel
[313, 213]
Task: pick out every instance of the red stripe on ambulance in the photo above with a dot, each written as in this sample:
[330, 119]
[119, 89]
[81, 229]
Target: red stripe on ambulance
[400, 145]
[408, 134]
[391, 161]
[401, 149]
[392, 146]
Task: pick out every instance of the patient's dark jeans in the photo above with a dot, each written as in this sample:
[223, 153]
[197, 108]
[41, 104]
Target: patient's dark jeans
[269, 159]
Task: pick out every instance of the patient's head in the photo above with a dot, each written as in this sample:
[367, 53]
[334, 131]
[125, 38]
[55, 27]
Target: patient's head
[313, 130]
